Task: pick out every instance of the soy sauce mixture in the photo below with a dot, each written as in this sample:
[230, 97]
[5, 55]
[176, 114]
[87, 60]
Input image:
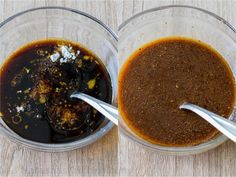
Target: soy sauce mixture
[162, 75]
[36, 82]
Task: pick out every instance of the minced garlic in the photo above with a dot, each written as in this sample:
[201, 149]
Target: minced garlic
[91, 83]
[64, 54]
[86, 57]
[20, 109]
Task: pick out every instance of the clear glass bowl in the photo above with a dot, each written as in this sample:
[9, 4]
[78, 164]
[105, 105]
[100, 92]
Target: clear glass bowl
[69, 24]
[177, 21]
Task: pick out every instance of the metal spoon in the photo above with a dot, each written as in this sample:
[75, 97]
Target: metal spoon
[107, 110]
[225, 126]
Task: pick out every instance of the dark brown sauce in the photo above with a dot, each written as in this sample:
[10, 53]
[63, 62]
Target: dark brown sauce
[35, 84]
[163, 74]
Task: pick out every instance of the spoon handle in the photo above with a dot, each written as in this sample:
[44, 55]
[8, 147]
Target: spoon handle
[107, 110]
[225, 126]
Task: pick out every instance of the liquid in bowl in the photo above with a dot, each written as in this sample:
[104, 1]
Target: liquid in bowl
[163, 74]
[36, 82]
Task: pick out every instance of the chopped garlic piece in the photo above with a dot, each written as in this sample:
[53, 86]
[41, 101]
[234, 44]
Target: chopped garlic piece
[19, 91]
[26, 127]
[27, 90]
[66, 52]
[86, 57]
[91, 83]
[26, 70]
[63, 60]
[20, 108]
[42, 99]
[55, 57]
[73, 56]
[77, 53]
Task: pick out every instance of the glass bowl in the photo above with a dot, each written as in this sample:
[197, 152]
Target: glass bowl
[183, 21]
[68, 24]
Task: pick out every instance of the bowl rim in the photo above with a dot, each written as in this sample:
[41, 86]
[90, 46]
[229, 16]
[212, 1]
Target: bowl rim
[188, 150]
[127, 21]
[7, 20]
[56, 147]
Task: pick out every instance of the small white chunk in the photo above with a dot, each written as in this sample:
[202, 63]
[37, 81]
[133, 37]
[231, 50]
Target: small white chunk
[77, 53]
[19, 91]
[55, 57]
[65, 51]
[20, 108]
[73, 56]
[63, 60]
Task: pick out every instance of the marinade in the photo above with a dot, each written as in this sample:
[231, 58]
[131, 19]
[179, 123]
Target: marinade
[35, 86]
[162, 75]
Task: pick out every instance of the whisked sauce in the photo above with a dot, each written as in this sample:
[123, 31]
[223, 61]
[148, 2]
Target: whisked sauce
[163, 74]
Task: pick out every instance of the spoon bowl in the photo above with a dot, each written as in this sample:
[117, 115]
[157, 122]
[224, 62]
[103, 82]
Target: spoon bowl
[225, 126]
[107, 110]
